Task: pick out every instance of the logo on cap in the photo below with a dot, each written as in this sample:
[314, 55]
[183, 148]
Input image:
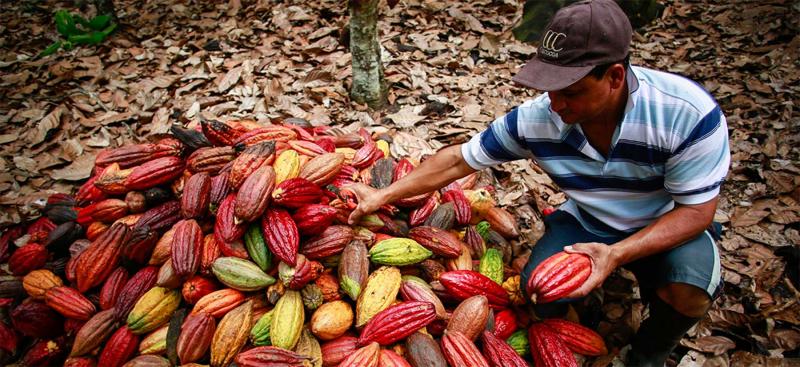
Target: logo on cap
[549, 43]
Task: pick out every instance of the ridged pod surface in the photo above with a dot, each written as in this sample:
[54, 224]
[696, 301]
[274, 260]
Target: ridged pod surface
[460, 351]
[367, 356]
[119, 348]
[578, 338]
[379, 293]
[231, 334]
[323, 168]
[153, 309]
[287, 320]
[557, 276]
[296, 192]
[196, 195]
[97, 262]
[398, 252]
[271, 356]
[195, 338]
[186, 248]
[416, 289]
[463, 284]
[441, 242]
[93, 333]
[498, 353]
[254, 195]
[240, 274]
[548, 349]
[218, 303]
[281, 234]
[397, 322]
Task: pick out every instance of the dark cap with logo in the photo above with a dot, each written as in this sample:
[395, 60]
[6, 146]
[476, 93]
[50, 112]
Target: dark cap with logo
[578, 38]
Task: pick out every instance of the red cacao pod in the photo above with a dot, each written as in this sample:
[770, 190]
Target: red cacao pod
[97, 262]
[186, 248]
[578, 338]
[463, 284]
[312, 219]
[548, 349]
[557, 276]
[397, 322]
[281, 234]
[196, 195]
[112, 288]
[119, 348]
[69, 302]
[27, 258]
[498, 353]
[460, 351]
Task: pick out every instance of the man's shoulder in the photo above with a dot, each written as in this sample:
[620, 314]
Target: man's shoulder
[661, 87]
[534, 110]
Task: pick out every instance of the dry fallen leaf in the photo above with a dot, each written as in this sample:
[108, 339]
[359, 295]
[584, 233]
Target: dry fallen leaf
[51, 121]
[79, 169]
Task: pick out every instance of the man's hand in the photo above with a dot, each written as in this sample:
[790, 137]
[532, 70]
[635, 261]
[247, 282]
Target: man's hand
[369, 200]
[603, 263]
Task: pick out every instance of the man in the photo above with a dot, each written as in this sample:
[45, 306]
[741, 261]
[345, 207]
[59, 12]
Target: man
[640, 154]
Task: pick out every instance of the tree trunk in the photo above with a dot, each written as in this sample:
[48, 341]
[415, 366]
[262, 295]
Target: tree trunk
[368, 82]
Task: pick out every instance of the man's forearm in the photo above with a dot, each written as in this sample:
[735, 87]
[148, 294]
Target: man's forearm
[444, 167]
[670, 230]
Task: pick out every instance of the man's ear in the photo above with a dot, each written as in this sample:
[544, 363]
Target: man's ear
[616, 74]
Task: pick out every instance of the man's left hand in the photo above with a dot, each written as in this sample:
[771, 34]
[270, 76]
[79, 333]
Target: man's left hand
[603, 263]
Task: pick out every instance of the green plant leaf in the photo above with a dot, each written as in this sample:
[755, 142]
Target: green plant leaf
[50, 49]
[65, 24]
[99, 22]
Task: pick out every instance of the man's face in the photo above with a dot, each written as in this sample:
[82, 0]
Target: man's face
[585, 100]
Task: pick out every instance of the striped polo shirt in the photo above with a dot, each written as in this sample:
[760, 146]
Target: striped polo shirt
[672, 146]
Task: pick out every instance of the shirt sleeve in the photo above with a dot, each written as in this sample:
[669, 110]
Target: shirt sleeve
[500, 143]
[698, 166]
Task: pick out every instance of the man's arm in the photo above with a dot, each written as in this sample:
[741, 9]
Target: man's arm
[674, 228]
[446, 166]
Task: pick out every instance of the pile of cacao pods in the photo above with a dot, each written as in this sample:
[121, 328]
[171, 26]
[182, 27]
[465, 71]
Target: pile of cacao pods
[227, 243]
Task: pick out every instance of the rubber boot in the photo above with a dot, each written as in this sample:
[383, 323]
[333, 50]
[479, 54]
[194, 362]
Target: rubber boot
[658, 335]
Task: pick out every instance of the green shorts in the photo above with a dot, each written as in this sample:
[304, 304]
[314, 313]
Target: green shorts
[695, 262]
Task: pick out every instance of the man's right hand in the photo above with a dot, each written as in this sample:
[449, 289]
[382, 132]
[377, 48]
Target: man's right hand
[369, 200]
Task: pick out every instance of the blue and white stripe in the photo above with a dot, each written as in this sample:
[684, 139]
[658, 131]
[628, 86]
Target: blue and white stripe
[672, 146]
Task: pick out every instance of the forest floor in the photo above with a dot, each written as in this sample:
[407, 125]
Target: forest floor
[449, 67]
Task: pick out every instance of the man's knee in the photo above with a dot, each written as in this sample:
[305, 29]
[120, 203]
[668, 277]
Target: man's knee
[686, 299]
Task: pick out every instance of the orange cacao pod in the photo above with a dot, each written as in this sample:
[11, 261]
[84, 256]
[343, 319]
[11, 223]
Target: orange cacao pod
[367, 356]
[276, 133]
[97, 262]
[266, 356]
[218, 303]
[231, 334]
[132, 155]
[69, 302]
[37, 282]
[322, 169]
[106, 211]
[502, 221]
[196, 288]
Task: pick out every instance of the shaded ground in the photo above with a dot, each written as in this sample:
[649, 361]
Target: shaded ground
[450, 65]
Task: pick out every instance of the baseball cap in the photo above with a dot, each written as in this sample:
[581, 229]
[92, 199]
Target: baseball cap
[578, 38]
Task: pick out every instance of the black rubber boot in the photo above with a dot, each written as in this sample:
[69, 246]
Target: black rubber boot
[658, 335]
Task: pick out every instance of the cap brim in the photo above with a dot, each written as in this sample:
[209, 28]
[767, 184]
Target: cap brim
[542, 76]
